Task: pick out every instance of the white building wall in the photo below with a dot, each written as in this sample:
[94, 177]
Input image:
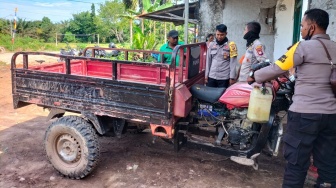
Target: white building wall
[330, 7]
[305, 6]
[284, 27]
[210, 12]
[237, 14]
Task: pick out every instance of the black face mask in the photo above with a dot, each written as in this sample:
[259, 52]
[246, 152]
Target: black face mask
[308, 36]
[223, 41]
[250, 37]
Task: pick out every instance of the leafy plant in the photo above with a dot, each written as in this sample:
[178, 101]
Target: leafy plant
[142, 42]
[69, 37]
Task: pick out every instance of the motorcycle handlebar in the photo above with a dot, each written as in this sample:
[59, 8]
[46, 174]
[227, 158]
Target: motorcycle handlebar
[258, 66]
[250, 82]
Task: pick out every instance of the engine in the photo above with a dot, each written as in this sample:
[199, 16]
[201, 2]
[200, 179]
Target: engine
[233, 125]
[239, 128]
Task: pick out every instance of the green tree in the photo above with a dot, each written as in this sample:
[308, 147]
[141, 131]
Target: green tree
[21, 27]
[69, 37]
[47, 30]
[35, 30]
[142, 41]
[146, 6]
[130, 16]
[131, 4]
[134, 4]
[5, 26]
[81, 23]
[93, 11]
[109, 24]
[93, 19]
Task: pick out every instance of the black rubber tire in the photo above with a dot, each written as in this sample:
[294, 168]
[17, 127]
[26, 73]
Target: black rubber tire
[72, 147]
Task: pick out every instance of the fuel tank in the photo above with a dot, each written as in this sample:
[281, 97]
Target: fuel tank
[237, 95]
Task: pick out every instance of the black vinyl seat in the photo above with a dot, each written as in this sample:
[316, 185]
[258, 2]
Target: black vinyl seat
[207, 94]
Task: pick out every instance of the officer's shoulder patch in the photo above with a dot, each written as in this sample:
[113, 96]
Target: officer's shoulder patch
[213, 46]
[259, 49]
[233, 49]
[286, 61]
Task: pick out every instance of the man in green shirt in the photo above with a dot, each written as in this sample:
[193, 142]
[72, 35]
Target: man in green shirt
[169, 47]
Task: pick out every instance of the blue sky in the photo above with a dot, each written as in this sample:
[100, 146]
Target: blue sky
[56, 10]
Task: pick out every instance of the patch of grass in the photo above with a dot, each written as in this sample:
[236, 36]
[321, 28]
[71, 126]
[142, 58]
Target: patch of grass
[30, 44]
[2, 63]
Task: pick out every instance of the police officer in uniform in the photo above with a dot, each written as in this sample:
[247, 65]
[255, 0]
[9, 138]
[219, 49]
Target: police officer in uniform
[311, 124]
[255, 50]
[221, 60]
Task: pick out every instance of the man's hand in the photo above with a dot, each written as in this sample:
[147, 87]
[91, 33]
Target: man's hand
[206, 80]
[232, 81]
[250, 80]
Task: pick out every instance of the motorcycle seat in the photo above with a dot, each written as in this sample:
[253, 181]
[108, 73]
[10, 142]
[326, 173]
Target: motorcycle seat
[205, 93]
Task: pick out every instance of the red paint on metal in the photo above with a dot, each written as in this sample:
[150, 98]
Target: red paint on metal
[182, 101]
[183, 59]
[176, 90]
[237, 95]
[162, 131]
[55, 67]
[34, 101]
[57, 103]
[99, 69]
[76, 67]
[145, 74]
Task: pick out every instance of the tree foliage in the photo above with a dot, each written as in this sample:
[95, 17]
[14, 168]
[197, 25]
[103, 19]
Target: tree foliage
[69, 37]
[114, 20]
[109, 24]
[47, 30]
[142, 41]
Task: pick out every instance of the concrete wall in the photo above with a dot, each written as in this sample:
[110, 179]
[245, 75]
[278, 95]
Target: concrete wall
[330, 7]
[283, 27]
[237, 13]
[210, 13]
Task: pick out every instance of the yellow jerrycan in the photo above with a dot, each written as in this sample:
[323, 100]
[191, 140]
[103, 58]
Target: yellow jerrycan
[260, 104]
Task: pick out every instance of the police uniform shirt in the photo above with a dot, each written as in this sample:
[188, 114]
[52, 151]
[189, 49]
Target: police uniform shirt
[255, 53]
[221, 61]
[313, 93]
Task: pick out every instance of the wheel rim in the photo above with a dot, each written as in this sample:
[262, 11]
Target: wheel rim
[68, 149]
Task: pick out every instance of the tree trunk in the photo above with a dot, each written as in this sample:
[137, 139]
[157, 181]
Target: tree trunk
[165, 32]
[150, 27]
[142, 26]
[131, 31]
[116, 33]
[120, 34]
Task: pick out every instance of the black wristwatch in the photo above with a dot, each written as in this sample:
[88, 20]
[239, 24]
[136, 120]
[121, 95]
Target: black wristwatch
[251, 74]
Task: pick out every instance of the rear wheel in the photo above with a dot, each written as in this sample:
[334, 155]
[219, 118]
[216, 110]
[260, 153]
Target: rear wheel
[72, 146]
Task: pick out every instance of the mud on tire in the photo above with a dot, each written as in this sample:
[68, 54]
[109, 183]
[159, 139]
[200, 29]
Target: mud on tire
[72, 147]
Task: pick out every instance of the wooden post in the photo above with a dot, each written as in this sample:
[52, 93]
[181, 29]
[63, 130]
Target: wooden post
[186, 20]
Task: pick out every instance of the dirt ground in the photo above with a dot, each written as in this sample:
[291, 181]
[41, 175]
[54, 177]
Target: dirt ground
[6, 58]
[132, 161]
